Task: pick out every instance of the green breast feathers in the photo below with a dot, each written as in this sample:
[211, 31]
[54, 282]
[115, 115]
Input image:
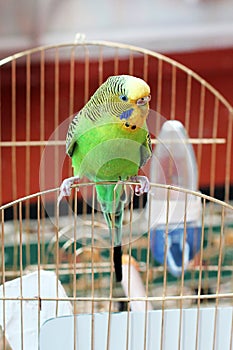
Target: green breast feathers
[108, 139]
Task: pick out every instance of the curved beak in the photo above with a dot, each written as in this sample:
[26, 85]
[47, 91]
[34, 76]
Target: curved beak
[143, 100]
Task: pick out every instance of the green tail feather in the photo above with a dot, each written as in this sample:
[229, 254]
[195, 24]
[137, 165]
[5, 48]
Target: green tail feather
[112, 205]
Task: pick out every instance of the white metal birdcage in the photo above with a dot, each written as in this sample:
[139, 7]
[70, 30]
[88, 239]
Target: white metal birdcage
[56, 262]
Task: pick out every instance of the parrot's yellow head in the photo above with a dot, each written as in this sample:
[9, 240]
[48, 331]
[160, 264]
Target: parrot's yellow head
[130, 98]
[137, 90]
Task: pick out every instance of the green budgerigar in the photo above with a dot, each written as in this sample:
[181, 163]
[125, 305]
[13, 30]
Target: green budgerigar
[108, 140]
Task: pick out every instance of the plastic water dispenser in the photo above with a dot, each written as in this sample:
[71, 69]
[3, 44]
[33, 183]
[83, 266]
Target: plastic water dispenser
[174, 163]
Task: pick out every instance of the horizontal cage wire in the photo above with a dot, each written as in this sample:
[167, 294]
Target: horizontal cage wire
[185, 268]
[54, 82]
[76, 254]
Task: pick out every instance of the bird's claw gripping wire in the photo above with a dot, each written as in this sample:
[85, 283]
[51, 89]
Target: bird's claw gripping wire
[144, 186]
[65, 188]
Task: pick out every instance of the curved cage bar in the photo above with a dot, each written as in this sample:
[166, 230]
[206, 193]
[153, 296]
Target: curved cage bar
[75, 252]
[42, 88]
[177, 242]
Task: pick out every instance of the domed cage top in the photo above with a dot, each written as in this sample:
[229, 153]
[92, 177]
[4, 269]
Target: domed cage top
[57, 260]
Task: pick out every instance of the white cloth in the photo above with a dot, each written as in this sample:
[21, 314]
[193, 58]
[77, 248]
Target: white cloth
[28, 318]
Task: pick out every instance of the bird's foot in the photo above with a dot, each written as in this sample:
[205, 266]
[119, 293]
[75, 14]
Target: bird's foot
[144, 186]
[65, 188]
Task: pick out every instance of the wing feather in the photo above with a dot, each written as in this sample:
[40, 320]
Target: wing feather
[71, 137]
[145, 151]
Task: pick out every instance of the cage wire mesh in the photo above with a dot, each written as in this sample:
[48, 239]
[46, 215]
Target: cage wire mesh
[66, 250]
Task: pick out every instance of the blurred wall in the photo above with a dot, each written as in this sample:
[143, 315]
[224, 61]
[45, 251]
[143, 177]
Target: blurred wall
[162, 25]
[198, 34]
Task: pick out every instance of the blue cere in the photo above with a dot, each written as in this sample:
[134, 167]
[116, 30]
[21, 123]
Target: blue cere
[126, 114]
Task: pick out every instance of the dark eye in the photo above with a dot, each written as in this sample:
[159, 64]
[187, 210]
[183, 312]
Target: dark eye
[124, 98]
